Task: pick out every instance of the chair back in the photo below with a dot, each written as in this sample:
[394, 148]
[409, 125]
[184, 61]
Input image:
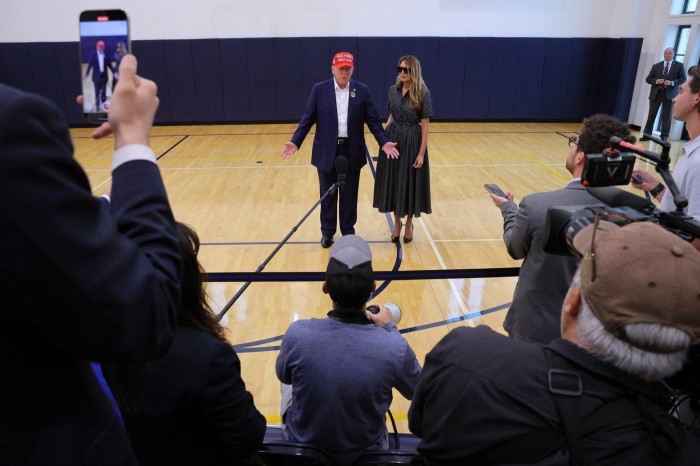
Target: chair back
[385, 457]
[292, 454]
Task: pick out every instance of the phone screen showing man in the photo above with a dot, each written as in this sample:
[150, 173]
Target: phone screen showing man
[104, 40]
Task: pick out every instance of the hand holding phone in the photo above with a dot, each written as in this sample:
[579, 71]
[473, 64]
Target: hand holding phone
[494, 189]
[135, 105]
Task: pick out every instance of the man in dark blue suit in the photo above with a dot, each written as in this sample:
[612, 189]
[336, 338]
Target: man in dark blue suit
[665, 78]
[78, 283]
[99, 63]
[339, 107]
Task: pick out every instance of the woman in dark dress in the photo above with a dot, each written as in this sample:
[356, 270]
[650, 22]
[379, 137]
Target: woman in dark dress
[402, 185]
[116, 61]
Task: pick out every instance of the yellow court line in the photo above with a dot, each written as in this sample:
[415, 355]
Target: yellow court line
[537, 162]
[397, 417]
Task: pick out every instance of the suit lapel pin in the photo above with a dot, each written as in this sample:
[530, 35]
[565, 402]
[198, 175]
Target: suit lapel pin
[352, 93]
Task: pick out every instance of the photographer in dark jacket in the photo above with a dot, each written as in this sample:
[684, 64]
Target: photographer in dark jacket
[594, 396]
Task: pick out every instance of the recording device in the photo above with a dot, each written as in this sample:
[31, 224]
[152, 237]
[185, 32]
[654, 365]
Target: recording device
[341, 168]
[622, 207]
[494, 189]
[104, 39]
[607, 169]
[393, 308]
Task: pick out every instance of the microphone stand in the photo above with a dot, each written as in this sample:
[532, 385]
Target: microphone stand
[337, 185]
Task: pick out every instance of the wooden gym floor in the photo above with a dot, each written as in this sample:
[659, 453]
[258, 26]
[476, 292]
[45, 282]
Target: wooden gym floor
[230, 183]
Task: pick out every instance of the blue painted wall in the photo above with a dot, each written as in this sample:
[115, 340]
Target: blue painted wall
[265, 80]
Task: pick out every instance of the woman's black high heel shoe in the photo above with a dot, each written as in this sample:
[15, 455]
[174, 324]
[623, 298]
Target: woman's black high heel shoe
[407, 239]
[395, 239]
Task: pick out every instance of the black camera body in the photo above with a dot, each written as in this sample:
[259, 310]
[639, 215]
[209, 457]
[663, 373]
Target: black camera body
[610, 168]
[622, 207]
[601, 172]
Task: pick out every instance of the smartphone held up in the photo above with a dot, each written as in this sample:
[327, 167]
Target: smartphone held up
[104, 40]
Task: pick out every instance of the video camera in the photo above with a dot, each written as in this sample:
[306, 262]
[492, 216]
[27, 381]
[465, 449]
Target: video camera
[600, 173]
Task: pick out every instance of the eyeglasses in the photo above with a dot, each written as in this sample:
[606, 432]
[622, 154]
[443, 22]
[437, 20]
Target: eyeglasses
[402, 69]
[571, 139]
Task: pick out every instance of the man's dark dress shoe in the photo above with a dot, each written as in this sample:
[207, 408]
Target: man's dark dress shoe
[643, 139]
[326, 241]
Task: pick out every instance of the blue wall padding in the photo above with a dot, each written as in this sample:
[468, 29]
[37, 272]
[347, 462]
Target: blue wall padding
[209, 100]
[262, 79]
[68, 65]
[152, 65]
[476, 83]
[287, 67]
[555, 75]
[234, 80]
[625, 87]
[179, 67]
[528, 81]
[448, 87]
[504, 74]
[269, 79]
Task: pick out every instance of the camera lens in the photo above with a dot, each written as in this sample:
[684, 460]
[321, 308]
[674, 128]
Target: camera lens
[391, 307]
[579, 220]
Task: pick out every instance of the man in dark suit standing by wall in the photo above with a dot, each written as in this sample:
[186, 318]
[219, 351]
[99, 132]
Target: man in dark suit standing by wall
[79, 282]
[665, 78]
[339, 107]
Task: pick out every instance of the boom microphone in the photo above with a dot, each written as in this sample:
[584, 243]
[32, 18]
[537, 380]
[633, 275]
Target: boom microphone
[341, 168]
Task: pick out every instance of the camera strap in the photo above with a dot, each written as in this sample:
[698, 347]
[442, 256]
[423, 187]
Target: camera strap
[566, 387]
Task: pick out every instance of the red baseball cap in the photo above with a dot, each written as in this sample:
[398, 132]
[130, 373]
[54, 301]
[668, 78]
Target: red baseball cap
[342, 59]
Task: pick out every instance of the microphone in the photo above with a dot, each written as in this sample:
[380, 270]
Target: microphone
[341, 168]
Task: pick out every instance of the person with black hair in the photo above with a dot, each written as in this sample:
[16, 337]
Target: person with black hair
[190, 406]
[338, 372]
[544, 278]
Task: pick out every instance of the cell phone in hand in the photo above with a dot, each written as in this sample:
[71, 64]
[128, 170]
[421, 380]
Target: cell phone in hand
[104, 40]
[494, 189]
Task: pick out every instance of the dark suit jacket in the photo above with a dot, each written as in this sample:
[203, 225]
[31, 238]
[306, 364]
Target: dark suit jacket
[94, 64]
[322, 110]
[78, 283]
[193, 405]
[535, 313]
[676, 73]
